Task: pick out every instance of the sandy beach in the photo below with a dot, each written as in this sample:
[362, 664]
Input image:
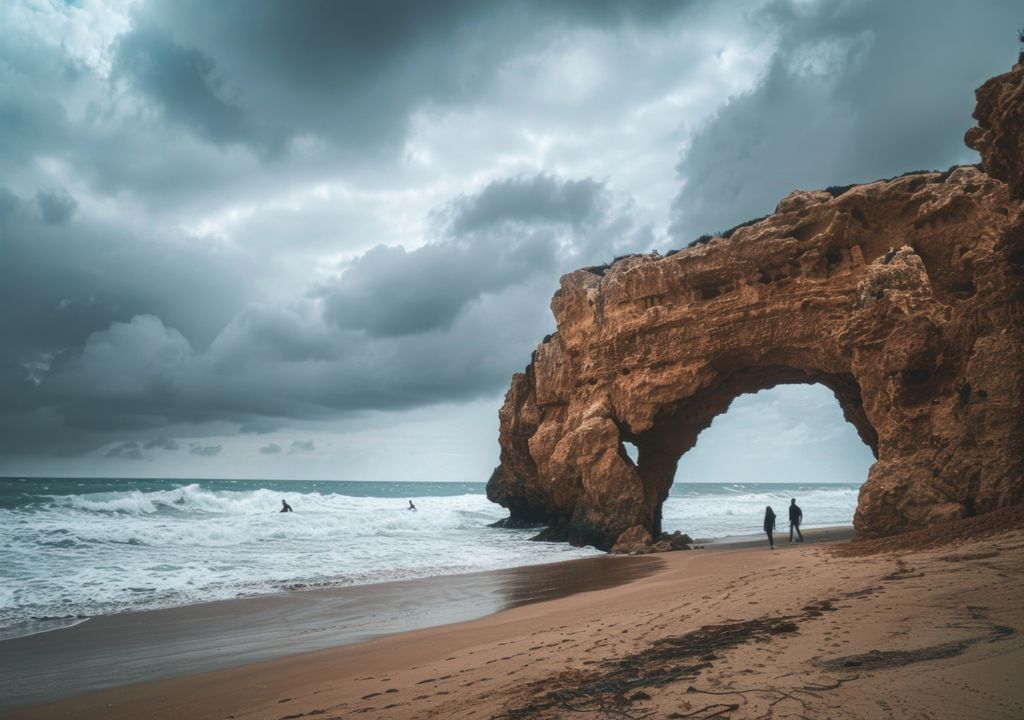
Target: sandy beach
[925, 625]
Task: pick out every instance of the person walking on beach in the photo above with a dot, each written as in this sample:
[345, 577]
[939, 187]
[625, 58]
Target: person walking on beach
[769, 525]
[285, 507]
[796, 516]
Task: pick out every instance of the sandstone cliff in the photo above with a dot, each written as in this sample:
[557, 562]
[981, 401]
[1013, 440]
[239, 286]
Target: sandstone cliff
[903, 296]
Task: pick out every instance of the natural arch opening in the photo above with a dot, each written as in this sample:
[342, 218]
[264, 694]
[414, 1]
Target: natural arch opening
[788, 441]
[678, 426]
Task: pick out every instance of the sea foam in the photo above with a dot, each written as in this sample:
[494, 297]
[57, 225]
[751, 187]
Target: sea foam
[80, 548]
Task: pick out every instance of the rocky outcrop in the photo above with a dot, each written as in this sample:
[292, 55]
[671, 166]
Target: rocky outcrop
[638, 541]
[904, 296]
[999, 136]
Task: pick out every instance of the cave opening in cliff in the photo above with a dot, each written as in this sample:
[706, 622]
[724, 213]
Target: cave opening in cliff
[791, 440]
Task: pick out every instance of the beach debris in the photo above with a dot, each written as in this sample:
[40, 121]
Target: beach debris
[715, 710]
[880, 659]
[615, 685]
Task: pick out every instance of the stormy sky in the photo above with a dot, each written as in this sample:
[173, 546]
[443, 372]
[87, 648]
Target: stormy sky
[314, 239]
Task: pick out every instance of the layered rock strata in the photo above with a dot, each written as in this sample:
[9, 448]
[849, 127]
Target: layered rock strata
[905, 297]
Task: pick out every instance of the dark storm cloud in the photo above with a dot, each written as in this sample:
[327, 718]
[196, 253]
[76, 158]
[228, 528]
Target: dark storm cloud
[271, 449]
[206, 450]
[161, 443]
[31, 117]
[182, 81]
[350, 72]
[301, 446]
[272, 362]
[9, 203]
[56, 206]
[512, 230]
[855, 92]
[527, 200]
[61, 282]
[128, 450]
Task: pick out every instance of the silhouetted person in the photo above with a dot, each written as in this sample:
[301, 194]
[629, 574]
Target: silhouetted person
[796, 516]
[769, 525]
[411, 506]
[285, 507]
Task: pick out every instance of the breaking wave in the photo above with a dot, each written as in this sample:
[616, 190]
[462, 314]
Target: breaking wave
[79, 548]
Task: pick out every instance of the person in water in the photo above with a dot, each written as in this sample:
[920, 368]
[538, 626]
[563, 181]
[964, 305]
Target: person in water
[411, 506]
[796, 516]
[285, 507]
[769, 525]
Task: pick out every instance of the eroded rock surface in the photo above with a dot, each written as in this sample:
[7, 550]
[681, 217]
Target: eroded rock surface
[904, 296]
[999, 136]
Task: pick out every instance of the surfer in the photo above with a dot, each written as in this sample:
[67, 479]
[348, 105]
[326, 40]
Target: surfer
[285, 507]
[411, 506]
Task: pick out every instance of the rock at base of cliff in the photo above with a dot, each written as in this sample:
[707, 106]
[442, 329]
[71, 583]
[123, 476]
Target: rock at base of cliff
[637, 541]
[555, 533]
[676, 541]
[514, 523]
[634, 541]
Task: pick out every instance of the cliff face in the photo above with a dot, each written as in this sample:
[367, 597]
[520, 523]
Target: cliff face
[904, 296]
[999, 136]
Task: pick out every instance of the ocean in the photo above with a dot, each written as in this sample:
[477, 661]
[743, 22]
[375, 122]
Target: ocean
[78, 548]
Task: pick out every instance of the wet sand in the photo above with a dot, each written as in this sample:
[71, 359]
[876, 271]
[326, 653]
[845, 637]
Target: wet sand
[927, 626]
[132, 647]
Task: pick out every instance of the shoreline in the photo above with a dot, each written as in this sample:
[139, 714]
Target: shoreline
[819, 533]
[112, 651]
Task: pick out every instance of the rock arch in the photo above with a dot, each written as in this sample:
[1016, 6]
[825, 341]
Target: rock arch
[675, 431]
[904, 296]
